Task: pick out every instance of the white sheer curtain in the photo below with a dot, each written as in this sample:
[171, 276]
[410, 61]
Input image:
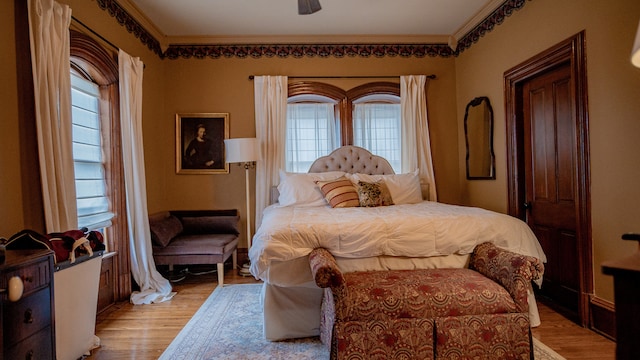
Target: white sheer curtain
[311, 133]
[416, 144]
[270, 96]
[153, 287]
[49, 39]
[377, 128]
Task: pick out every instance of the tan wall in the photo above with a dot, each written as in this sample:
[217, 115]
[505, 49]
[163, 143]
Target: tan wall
[614, 105]
[11, 209]
[208, 85]
[222, 85]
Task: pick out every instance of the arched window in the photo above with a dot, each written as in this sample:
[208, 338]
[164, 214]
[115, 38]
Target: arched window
[97, 149]
[322, 117]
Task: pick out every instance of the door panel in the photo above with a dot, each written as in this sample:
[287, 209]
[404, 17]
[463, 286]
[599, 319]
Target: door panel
[549, 137]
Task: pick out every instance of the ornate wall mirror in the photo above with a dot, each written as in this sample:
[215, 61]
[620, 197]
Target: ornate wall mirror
[478, 131]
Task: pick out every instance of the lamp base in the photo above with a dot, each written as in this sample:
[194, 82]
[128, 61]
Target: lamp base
[244, 270]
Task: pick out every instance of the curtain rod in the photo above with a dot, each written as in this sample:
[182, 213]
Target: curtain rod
[432, 76]
[94, 33]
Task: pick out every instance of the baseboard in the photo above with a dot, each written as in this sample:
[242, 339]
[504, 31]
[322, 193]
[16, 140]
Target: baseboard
[603, 317]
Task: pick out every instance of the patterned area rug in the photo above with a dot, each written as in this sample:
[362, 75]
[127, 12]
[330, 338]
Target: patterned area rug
[229, 326]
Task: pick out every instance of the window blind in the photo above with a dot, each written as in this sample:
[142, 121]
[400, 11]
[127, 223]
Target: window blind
[92, 201]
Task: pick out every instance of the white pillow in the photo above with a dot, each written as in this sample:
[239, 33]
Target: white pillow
[404, 188]
[300, 189]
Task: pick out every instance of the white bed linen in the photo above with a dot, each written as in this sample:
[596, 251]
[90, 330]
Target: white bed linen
[424, 229]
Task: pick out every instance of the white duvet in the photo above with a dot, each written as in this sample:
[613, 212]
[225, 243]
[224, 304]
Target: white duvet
[413, 230]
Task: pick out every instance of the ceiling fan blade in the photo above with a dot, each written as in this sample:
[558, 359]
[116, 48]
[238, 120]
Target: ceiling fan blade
[306, 7]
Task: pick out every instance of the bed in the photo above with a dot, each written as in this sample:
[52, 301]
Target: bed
[396, 230]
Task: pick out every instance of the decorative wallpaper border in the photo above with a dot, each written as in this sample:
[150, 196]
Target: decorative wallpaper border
[300, 50]
[133, 26]
[198, 51]
[486, 25]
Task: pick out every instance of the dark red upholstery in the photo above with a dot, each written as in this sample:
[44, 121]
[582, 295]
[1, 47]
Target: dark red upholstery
[428, 314]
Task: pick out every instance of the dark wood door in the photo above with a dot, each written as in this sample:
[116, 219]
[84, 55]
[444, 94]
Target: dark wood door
[549, 156]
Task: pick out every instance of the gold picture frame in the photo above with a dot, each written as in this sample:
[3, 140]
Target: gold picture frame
[200, 143]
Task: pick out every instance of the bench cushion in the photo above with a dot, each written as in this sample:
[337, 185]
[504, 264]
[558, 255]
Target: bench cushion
[425, 294]
[213, 244]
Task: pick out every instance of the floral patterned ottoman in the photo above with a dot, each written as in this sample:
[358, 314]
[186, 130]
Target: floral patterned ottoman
[475, 313]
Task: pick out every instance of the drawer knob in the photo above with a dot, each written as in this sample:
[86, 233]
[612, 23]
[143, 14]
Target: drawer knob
[16, 287]
[29, 355]
[28, 316]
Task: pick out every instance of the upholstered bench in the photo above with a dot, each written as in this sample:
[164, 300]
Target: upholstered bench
[188, 237]
[480, 312]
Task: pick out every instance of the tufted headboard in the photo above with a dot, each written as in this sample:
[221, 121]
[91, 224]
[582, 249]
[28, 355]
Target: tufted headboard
[352, 159]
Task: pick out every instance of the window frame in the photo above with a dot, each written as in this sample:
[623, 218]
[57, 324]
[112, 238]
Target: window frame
[344, 99]
[96, 64]
[300, 91]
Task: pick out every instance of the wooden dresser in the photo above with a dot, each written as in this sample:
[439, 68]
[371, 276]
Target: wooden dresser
[626, 285]
[27, 330]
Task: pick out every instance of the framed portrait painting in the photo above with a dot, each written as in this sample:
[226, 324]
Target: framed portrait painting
[200, 143]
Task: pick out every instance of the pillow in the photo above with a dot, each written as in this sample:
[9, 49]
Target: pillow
[164, 229]
[300, 188]
[373, 194]
[404, 188]
[339, 193]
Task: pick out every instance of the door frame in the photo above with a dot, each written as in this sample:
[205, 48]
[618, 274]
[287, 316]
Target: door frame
[572, 51]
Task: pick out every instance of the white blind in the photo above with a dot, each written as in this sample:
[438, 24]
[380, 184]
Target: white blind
[91, 197]
[311, 133]
[377, 128]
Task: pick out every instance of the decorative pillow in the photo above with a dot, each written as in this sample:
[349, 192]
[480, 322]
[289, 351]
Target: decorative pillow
[339, 193]
[373, 194]
[404, 188]
[300, 188]
[164, 229]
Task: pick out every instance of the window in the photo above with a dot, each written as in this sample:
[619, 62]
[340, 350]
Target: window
[91, 196]
[311, 131]
[322, 117]
[377, 128]
[98, 152]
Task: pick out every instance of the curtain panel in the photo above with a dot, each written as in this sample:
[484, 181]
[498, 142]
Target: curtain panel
[270, 96]
[50, 49]
[153, 287]
[416, 143]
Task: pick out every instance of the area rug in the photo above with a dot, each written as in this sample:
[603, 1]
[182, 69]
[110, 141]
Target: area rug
[229, 326]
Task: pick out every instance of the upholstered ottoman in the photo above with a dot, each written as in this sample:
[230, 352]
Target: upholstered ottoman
[475, 313]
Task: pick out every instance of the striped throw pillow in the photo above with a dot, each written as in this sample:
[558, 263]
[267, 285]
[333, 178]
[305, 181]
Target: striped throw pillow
[339, 192]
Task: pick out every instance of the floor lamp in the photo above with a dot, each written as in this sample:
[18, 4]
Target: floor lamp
[635, 52]
[243, 151]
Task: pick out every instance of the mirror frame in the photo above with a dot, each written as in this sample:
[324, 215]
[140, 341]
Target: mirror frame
[473, 103]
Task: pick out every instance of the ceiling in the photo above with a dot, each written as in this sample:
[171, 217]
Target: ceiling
[244, 21]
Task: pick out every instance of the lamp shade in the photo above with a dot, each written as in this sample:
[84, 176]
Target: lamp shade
[635, 53]
[241, 150]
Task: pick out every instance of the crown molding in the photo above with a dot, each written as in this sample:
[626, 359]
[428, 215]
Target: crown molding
[307, 39]
[129, 16]
[496, 17]
[490, 7]
[135, 13]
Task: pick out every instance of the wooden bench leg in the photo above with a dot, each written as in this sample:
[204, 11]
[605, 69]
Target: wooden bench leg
[234, 259]
[220, 274]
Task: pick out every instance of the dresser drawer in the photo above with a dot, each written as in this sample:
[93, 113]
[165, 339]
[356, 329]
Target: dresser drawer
[37, 347]
[27, 316]
[33, 277]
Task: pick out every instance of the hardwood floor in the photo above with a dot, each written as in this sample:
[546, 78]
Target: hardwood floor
[142, 332]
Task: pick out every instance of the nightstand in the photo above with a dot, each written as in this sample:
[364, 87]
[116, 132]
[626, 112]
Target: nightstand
[27, 330]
